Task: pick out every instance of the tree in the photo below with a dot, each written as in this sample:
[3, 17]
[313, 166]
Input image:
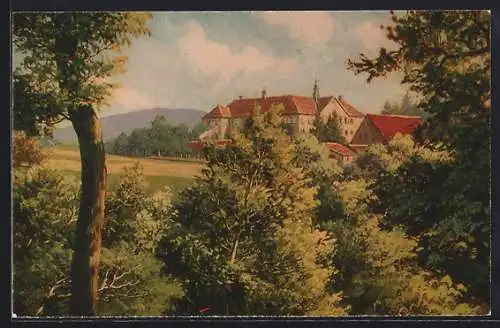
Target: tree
[160, 139]
[197, 130]
[25, 150]
[406, 107]
[45, 214]
[68, 58]
[245, 241]
[445, 58]
[329, 131]
[378, 272]
[132, 279]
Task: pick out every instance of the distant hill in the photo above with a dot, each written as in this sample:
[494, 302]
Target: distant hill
[114, 125]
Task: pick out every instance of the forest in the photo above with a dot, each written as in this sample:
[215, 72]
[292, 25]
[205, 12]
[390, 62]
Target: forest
[160, 139]
[273, 225]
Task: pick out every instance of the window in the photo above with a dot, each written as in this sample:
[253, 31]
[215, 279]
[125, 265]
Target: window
[352, 132]
[345, 120]
[346, 132]
[351, 121]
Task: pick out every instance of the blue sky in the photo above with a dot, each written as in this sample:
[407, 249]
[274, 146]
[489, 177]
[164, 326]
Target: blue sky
[201, 59]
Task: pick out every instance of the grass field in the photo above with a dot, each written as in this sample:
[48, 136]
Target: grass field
[175, 174]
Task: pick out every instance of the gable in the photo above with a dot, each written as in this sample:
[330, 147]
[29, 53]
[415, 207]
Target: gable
[367, 134]
[332, 108]
[389, 125]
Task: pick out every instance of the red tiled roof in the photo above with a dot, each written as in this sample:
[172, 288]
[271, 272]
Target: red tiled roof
[291, 104]
[323, 101]
[198, 145]
[218, 112]
[389, 125]
[348, 108]
[357, 148]
[338, 148]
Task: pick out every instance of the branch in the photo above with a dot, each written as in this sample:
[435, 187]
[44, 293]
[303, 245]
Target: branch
[50, 294]
[127, 284]
[471, 53]
[116, 278]
[54, 122]
[104, 281]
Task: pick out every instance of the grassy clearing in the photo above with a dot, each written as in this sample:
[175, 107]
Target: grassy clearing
[158, 172]
[176, 184]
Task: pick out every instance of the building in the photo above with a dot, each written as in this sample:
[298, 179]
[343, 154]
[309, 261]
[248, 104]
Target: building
[340, 152]
[382, 128]
[298, 113]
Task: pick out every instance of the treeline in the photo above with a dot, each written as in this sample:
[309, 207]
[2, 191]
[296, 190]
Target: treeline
[160, 139]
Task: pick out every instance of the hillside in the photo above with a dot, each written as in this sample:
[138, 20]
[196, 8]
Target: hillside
[116, 124]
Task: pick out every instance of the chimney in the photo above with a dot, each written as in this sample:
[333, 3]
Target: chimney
[240, 97]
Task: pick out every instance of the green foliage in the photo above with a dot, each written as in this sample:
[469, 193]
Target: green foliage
[67, 61]
[26, 151]
[45, 205]
[322, 170]
[329, 131]
[245, 242]
[378, 271]
[67, 58]
[406, 107]
[445, 58]
[160, 139]
[131, 278]
[437, 201]
[45, 212]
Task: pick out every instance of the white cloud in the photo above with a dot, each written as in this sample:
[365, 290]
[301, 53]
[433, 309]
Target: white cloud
[372, 36]
[218, 61]
[314, 28]
[130, 99]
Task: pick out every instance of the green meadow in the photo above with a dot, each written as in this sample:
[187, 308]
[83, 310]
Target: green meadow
[174, 173]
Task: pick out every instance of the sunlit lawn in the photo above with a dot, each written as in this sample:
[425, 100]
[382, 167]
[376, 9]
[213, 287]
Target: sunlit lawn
[158, 173]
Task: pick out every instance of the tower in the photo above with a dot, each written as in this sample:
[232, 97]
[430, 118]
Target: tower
[316, 92]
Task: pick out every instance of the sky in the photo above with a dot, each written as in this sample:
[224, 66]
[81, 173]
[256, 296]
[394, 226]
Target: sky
[201, 59]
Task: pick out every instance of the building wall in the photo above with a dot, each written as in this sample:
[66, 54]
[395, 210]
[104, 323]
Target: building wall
[349, 124]
[354, 127]
[305, 123]
[367, 134]
[301, 123]
[236, 123]
[219, 125]
[342, 160]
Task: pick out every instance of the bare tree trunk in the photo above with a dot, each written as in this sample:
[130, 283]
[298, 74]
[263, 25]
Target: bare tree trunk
[87, 244]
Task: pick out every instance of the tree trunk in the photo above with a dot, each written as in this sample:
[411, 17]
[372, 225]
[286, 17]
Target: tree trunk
[87, 243]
